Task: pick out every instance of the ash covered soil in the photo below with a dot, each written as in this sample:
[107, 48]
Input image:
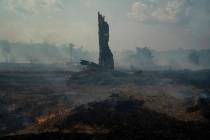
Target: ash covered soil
[106, 105]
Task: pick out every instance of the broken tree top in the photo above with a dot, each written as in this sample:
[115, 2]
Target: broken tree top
[106, 60]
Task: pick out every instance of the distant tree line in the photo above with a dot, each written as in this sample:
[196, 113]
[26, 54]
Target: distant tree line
[139, 58]
[41, 53]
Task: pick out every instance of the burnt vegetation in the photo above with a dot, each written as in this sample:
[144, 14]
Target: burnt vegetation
[117, 119]
[62, 93]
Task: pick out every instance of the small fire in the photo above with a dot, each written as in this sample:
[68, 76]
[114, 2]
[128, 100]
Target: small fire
[43, 119]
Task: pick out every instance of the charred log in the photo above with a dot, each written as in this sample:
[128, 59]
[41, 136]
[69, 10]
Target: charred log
[90, 66]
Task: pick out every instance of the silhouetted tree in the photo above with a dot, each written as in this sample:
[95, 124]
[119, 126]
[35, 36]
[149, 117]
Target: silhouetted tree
[144, 56]
[71, 47]
[6, 49]
[194, 57]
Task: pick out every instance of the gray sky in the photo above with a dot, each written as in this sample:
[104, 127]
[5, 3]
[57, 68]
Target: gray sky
[159, 24]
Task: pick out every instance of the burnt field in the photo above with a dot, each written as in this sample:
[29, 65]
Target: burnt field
[145, 104]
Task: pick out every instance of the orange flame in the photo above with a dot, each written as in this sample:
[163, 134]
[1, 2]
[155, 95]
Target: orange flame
[43, 119]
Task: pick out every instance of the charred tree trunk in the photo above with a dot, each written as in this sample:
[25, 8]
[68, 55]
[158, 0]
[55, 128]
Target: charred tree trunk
[106, 60]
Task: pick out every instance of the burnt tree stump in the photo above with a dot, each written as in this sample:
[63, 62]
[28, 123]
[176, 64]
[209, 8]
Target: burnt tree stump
[106, 60]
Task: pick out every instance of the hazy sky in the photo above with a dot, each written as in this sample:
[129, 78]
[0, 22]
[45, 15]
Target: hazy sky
[159, 24]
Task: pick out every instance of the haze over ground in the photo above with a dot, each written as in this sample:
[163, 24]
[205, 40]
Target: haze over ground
[158, 24]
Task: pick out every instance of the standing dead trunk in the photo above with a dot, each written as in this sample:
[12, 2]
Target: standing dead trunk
[106, 60]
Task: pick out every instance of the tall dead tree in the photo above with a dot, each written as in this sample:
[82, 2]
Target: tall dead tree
[106, 60]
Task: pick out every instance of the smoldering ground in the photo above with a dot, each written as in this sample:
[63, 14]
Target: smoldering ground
[37, 94]
[46, 82]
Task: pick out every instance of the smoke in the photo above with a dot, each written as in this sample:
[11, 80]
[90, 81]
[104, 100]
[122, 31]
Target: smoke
[43, 53]
[177, 59]
[133, 59]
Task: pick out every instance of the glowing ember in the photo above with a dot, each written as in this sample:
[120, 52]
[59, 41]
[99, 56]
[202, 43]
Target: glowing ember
[43, 119]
